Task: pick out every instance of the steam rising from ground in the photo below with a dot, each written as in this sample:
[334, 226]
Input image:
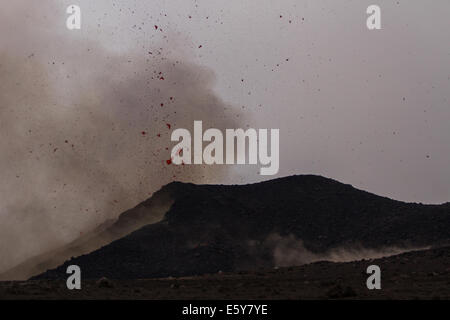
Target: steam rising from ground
[85, 132]
[290, 251]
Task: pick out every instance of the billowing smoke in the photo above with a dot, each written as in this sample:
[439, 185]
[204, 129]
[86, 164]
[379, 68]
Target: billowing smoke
[85, 131]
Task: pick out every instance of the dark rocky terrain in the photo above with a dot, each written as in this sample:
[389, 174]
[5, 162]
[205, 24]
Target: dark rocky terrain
[413, 275]
[211, 228]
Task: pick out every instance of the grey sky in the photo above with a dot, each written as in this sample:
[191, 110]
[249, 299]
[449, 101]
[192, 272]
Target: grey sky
[370, 108]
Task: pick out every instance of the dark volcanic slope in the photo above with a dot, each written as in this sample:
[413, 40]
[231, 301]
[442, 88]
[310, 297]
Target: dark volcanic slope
[211, 228]
[147, 212]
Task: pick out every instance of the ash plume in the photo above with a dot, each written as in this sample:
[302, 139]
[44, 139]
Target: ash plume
[86, 130]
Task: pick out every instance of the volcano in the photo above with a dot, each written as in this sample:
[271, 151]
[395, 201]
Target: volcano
[202, 229]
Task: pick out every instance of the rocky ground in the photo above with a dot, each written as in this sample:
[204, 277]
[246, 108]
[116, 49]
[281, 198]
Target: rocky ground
[413, 275]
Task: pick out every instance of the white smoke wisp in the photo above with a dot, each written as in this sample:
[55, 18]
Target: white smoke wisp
[290, 251]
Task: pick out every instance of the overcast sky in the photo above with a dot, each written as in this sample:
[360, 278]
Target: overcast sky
[370, 108]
